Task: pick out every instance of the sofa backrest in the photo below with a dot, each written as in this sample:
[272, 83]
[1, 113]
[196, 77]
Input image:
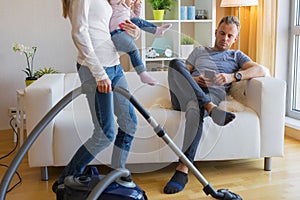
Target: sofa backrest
[148, 95]
[71, 82]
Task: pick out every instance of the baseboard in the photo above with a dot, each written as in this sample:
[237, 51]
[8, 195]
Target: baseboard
[291, 132]
[292, 123]
[6, 131]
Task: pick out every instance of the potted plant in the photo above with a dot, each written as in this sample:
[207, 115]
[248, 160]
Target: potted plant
[29, 53]
[40, 72]
[187, 46]
[159, 8]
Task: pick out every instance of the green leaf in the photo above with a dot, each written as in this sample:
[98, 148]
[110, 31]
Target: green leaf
[40, 72]
[161, 4]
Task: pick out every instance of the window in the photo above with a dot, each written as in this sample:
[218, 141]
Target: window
[293, 109]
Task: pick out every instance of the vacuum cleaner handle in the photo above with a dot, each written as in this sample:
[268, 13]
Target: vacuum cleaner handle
[222, 194]
[134, 102]
[157, 128]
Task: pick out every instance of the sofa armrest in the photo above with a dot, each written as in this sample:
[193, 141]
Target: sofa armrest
[40, 97]
[266, 96]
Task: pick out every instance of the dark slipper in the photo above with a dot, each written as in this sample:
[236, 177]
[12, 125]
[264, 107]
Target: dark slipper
[177, 183]
[55, 186]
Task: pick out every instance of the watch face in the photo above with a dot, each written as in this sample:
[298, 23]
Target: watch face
[238, 76]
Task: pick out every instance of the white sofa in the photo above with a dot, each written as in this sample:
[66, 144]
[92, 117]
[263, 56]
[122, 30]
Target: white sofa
[257, 131]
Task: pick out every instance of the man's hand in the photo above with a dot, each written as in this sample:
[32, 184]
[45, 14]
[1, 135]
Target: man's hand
[104, 86]
[131, 29]
[222, 79]
[203, 81]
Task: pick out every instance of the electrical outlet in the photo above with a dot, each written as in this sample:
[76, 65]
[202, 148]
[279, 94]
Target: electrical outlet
[12, 111]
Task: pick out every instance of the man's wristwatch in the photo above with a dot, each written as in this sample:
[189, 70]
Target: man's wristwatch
[238, 76]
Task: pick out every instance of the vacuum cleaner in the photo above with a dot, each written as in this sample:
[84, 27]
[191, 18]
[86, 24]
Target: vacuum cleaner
[223, 194]
[95, 186]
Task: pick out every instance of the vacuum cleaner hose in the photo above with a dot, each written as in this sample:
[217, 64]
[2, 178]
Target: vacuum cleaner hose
[33, 136]
[208, 189]
[106, 181]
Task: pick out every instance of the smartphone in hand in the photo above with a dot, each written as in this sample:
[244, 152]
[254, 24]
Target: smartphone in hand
[210, 74]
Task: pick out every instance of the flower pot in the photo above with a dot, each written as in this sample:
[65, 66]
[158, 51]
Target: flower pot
[158, 14]
[28, 82]
[186, 50]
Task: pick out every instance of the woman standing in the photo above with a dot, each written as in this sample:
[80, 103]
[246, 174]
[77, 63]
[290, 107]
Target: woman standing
[99, 70]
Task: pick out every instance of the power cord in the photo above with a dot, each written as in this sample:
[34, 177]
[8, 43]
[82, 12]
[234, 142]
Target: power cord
[8, 154]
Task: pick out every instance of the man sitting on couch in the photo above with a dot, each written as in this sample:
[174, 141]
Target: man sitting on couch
[201, 83]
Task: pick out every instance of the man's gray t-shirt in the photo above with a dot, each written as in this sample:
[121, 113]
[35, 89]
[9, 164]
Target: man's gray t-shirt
[228, 61]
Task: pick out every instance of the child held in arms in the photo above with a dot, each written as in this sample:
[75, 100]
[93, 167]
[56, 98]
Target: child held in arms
[130, 10]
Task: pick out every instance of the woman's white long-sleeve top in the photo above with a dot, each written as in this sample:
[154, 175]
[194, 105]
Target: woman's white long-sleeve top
[90, 33]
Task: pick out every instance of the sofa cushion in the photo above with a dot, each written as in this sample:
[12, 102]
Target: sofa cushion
[73, 128]
[219, 143]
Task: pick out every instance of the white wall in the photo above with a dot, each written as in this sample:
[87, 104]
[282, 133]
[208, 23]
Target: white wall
[40, 23]
[31, 22]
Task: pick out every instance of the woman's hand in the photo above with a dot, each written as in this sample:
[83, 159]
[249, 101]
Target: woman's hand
[131, 29]
[137, 2]
[104, 86]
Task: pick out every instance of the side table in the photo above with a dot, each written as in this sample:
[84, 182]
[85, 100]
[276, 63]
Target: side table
[20, 114]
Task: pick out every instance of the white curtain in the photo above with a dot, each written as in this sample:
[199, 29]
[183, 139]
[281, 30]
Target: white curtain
[266, 34]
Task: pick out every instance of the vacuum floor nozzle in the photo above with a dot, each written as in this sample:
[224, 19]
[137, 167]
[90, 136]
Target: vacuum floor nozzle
[229, 195]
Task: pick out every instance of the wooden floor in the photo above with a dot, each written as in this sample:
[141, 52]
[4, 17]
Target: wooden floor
[245, 177]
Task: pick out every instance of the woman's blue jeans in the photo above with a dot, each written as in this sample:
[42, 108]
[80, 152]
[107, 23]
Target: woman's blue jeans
[103, 107]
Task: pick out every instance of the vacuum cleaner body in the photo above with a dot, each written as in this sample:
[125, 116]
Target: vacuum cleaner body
[80, 187]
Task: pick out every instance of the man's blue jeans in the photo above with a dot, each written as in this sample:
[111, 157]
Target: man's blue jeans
[188, 96]
[103, 107]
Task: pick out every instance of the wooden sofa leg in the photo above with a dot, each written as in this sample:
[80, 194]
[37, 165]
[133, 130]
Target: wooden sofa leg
[44, 173]
[268, 164]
